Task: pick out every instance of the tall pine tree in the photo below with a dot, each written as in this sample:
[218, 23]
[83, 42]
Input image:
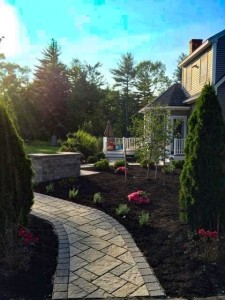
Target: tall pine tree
[124, 77]
[51, 86]
[202, 200]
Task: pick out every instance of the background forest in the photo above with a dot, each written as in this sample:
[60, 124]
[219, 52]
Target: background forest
[76, 96]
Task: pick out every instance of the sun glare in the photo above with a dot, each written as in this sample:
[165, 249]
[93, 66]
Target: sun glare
[10, 29]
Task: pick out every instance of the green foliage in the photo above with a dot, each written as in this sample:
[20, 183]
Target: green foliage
[122, 210]
[144, 218]
[38, 146]
[92, 159]
[178, 164]
[150, 80]
[101, 155]
[177, 74]
[81, 141]
[101, 165]
[119, 163]
[155, 132]
[51, 89]
[170, 168]
[202, 187]
[50, 188]
[73, 193]
[97, 198]
[16, 194]
[124, 77]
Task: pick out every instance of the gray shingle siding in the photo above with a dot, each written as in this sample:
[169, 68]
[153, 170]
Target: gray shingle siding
[220, 58]
[221, 96]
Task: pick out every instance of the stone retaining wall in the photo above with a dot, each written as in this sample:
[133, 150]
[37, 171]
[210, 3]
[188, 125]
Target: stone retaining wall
[49, 167]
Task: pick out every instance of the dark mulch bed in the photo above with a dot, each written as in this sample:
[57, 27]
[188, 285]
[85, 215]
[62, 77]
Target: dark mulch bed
[181, 273]
[36, 282]
[163, 241]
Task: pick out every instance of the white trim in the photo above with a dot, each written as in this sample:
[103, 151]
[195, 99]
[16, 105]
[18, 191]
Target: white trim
[214, 54]
[166, 107]
[192, 98]
[219, 83]
[201, 48]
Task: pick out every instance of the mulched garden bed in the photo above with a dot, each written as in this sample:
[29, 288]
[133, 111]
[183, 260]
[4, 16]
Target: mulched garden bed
[180, 269]
[36, 282]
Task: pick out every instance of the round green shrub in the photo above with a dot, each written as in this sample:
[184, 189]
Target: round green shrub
[144, 164]
[92, 159]
[119, 163]
[100, 155]
[178, 164]
[101, 165]
[82, 142]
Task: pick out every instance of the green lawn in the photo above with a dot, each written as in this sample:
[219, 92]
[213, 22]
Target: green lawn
[40, 147]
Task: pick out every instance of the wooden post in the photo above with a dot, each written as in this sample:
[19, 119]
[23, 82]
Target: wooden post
[125, 157]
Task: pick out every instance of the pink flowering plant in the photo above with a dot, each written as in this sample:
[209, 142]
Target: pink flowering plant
[27, 237]
[139, 197]
[205, 245]
[121, 170]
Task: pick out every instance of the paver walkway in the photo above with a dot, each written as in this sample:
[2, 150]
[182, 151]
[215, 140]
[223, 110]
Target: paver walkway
[97, 257]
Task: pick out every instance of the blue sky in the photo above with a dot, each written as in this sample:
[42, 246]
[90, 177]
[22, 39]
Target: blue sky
[103, 30]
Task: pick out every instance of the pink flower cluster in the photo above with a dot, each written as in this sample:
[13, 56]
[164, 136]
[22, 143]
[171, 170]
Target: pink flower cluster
[27, 236]
[138, 197]
[210, 234]
[121, 170]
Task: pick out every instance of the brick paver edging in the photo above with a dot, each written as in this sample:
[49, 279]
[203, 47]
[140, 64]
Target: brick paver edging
[61, 276]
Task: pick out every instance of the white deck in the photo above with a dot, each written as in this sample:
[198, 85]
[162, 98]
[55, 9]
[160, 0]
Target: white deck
[114, 148]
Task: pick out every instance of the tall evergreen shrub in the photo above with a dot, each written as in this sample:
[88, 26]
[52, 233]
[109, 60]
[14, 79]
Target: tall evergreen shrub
[202, 191]
[16, 194]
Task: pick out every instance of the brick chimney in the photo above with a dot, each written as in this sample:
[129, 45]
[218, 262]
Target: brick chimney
[194, 44]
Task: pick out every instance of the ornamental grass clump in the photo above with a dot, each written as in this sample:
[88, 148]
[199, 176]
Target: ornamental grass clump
[144, 218]
[16, 193]
[122, 210]
[97, 198]
[50, 188]
[73, 193]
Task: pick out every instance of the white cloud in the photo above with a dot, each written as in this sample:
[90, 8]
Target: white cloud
[81, 21]
[16, 39]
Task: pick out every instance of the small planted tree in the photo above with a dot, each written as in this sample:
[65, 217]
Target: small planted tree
[155, 133]
[201, 199]
[16, 194]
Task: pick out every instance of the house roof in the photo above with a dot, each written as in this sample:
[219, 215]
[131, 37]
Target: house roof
[174, 96]
[207, 43]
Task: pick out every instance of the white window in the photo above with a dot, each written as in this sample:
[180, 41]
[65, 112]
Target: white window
[203, 69]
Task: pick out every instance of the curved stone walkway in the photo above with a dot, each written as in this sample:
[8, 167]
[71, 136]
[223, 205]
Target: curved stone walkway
[97, 257]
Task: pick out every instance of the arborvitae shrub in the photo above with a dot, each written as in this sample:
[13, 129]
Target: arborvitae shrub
[16, 194]
[202, 191]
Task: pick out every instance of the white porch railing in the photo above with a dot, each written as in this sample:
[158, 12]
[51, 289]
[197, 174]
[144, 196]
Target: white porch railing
[178, 146]
[131, 144]
[117, 144]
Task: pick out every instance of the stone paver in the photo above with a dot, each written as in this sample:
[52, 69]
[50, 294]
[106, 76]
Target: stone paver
[97, 257]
